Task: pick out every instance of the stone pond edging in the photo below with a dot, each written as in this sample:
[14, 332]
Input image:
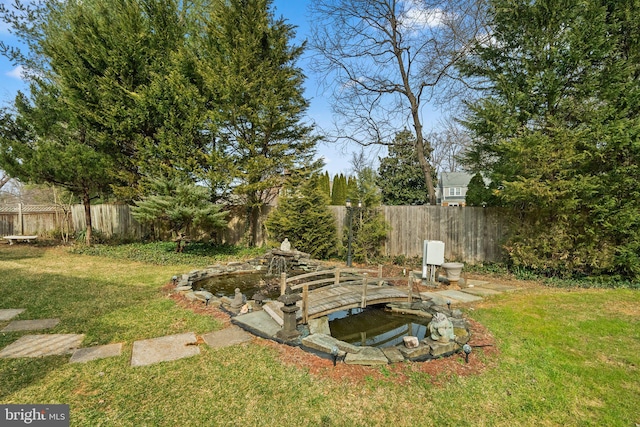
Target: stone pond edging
[317, 339]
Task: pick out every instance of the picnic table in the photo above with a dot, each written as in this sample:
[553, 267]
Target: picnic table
[14, 239]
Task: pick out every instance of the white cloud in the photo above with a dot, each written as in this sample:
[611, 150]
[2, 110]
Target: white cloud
[16, 73]
[416, 16]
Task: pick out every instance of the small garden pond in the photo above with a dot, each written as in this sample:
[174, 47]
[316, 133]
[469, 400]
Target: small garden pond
[372, 326]
[248, 283]
[375, 327]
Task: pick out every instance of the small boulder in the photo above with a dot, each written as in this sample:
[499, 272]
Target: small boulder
[411, 342]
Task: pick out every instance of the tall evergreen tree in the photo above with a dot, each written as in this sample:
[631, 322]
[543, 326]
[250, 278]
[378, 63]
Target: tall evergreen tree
[114, 70]
[248, 66]
[43, 144]
[339, 191]
[558, 131]
[401, 178]
[325, 185]
[352, 188]
[477, 192]
[369, 228]
[303, 217]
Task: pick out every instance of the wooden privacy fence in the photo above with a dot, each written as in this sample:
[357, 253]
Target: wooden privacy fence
[110, 220]
[18, 219]
[469, 234]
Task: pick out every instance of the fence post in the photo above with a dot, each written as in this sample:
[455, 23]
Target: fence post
[363, 303]
[410, 286]
[20, 219]
[283, 283]
[305, 304]
[337, 278]
[380, 274]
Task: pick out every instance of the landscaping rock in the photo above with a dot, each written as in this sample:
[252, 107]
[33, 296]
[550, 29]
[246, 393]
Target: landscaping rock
[319, 326]
[326, 343]
[393, 354]
[203, 295]
[226, 337]
[411, 342]
[415, 353]
[9, 313]
[191, 296]
[367, 356]
[462, 335]
[173, 347]
[439, 349]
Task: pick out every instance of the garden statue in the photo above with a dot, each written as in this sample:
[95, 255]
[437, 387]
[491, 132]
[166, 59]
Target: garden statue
[285, 246]
[441, 328]
[238, 299]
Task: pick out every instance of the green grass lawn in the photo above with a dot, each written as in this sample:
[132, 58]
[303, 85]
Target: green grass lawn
[566, 357]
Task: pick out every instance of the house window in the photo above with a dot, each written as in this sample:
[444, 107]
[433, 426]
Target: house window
[455, 191]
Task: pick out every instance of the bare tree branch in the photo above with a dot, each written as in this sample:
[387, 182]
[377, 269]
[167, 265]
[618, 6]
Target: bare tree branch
[386, 59]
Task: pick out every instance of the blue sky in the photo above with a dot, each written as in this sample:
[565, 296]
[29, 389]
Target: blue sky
[295, 12]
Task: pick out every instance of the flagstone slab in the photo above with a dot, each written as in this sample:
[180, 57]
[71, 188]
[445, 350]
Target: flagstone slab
[9, 313]
[367, 356]
[459, 296]
[474, 282]
[31, 325]
[259, 323]
[481, 292]
[439, 299]
[163, 349]
[498, 287]
[226, 337]
[88, 354]
[43, 345]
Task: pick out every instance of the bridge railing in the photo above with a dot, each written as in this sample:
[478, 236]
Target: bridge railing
[337, 277]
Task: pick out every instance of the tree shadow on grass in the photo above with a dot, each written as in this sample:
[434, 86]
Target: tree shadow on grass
[16, 374]
[19, 252]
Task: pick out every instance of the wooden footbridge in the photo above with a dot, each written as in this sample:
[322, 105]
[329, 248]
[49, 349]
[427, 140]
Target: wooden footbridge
[328, 291]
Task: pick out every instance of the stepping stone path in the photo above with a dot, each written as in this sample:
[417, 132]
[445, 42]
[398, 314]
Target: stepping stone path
[226, 337]
[31, 325]
[475, 292]
[42, 345]
[88, 354]
[9, 313]
[174, 347]
[163, 349]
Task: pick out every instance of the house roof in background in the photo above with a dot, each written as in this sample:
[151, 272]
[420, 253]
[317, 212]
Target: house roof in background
[455, 179]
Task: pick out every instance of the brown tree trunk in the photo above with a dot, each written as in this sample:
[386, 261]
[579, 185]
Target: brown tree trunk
[86, 201]
[254, 226]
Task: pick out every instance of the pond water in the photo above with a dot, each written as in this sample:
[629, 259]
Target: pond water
[249, 284]
[375, 327]
[372, 326]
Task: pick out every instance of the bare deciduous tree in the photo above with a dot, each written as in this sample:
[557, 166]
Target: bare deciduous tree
[385, 60]
[448, 142]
